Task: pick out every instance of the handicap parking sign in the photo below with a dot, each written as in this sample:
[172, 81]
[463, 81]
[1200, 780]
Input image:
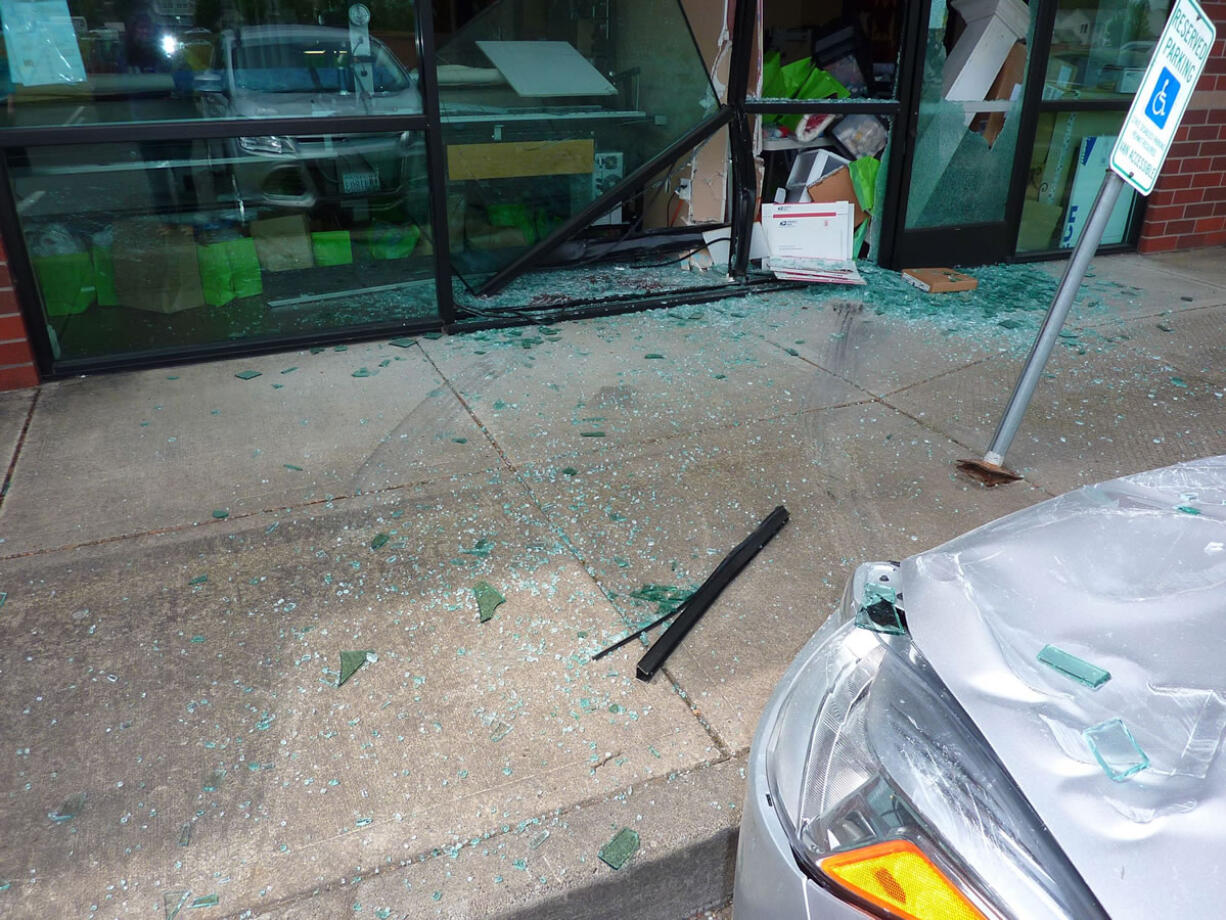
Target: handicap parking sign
[1153, 118]
[1162, 100]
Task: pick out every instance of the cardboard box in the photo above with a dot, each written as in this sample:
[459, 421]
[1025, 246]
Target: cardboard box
[939, 280]
[810, 166]
[283, 243]
[1091, 167]
[837, 186]
[1007, 82]
[155, 266]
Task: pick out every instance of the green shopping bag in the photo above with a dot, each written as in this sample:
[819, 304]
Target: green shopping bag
[214, 273]
[104, 276]
[245, 278]
[332, 247]
[67, 282]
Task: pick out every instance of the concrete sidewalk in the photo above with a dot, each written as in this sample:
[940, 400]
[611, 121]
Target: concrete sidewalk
[186, 554]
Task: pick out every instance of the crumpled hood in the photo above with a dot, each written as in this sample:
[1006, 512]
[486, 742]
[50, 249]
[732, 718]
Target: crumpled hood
[1129, 575]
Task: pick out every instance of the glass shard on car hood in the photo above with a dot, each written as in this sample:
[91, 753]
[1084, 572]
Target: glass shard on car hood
[1130, 576]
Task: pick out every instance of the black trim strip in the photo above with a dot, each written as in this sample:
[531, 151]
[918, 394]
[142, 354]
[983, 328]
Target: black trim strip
[1085, 105]
[243, 347]
[908, 84]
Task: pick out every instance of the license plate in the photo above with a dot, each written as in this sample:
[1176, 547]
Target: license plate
[353, 183]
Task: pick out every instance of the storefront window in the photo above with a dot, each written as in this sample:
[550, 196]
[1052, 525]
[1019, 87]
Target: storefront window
[142, 248]
[542, 113]
[95, 61]
[857, 45]
[970, 107]
[1071, 151]
[1100, 48]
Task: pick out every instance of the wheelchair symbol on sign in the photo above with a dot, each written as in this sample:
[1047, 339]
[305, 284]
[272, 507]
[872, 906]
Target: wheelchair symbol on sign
[1157, 105]
[1162, 100]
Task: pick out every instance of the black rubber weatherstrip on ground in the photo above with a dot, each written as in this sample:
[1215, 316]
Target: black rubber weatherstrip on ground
[705, 596]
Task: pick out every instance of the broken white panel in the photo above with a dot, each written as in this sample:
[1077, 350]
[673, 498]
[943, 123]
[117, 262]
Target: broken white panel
[993, 27]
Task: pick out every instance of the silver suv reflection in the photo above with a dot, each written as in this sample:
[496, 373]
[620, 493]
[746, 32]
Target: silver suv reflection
[295, 71]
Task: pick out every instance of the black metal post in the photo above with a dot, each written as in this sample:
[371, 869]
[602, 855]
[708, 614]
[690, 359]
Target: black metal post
[436, 162]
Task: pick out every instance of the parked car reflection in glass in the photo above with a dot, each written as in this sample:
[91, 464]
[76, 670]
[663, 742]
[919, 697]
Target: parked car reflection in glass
[293, 71]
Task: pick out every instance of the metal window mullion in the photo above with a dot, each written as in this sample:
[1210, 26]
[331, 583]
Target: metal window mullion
[436, 163]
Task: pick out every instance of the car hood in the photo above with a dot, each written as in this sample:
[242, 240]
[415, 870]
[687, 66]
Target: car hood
[254, 104]
[1129, 575]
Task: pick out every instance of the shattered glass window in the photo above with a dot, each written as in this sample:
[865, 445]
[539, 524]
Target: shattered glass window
[966, 135]
[808, 48]
[544, 113]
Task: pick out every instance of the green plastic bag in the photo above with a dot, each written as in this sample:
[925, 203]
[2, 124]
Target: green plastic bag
[392, 241]
[513, 215]
[332, 247]
[229, 269]
[864, 180]
[104, 276]
[67, 282]
[245, 277]
[214, 273]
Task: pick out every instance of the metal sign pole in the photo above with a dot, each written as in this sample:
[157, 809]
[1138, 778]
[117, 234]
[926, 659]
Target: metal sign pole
[992, 465]
[1137, 157]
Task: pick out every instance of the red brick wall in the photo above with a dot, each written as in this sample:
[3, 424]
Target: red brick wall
[16, 360]
[1187, 208]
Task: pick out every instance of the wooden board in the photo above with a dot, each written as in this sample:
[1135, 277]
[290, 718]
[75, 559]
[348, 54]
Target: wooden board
[516, 159]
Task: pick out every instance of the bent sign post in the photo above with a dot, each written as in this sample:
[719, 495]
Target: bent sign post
[1137, 159]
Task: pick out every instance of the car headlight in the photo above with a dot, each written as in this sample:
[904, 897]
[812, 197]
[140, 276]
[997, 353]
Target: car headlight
[889, 795]
[270, 145]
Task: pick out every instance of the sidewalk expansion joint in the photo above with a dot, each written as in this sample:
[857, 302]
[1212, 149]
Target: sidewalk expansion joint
[724, 751]
[21, 440]
[945, 373]
[489, 435]
[197, 525]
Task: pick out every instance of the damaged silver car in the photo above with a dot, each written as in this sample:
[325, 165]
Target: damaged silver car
[1022, 724]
